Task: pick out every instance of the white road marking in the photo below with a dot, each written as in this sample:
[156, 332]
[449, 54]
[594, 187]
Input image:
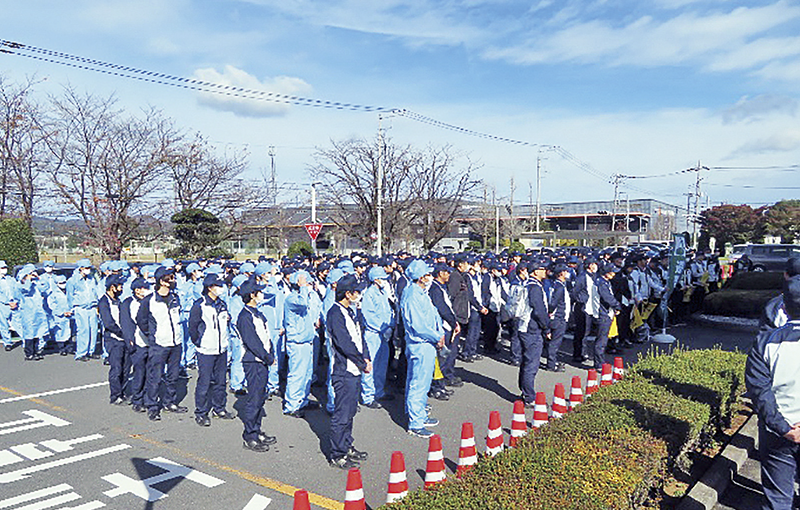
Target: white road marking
[53, 392]
[144, 489]
[30, 452]
[50, 503]
[49, 491]
[91, 505]
[21, 474]
[37, 419]
[60, 446]
[258, 502]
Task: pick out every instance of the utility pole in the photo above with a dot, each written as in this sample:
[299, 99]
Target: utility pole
[273, 185]
[314, 212]
[538, 188]
[616, 180]
[512, 223]
[695, 201]
[379, 246]
[496, 222]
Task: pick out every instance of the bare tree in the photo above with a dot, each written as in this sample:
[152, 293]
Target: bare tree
[349, 174]
[22, 137]
[108, 166]
[439, 189]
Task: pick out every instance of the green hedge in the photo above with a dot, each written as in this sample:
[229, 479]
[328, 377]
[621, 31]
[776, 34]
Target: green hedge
[755, 280]
[615, 450]
[738, 303]
[17, 244]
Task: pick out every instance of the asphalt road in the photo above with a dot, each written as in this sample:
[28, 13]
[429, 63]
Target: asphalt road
[72, 449]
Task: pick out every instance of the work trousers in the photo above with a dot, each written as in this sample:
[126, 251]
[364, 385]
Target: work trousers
[119, 368]
[158, 357]
[210, 390]
[253, 412]
[347, 387]
[531, 342]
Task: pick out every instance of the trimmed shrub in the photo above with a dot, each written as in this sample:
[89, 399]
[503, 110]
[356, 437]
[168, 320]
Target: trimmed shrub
[755, 281]
[738, 303]
[17, 244]
[300, 248]
[613, 451]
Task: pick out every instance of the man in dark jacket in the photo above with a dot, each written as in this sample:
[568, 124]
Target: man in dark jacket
[771, 376]
[532, 337]
[441, 301]
[560, 307]
[609, 308]
[118, 355]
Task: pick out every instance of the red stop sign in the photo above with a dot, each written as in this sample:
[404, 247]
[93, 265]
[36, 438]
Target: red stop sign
[313, 230]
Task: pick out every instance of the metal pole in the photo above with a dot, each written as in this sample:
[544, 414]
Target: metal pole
[497, 229]
[538, 190]
[314, 213]
[379, 246]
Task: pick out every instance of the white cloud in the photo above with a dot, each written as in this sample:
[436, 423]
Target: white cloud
[758, 107]
[787, 141]
[256, 105]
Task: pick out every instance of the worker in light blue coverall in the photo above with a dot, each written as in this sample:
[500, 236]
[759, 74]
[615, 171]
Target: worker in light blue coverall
[8, 304]
[378, 325]
[272, 308]
[424, 334]
[30, 294]
[235, 349]
[332, 279]
[60, 315]
[188, 293]
[300, 319]
[82, 297]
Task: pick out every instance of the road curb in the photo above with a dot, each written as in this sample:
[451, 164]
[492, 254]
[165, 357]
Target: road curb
[706, 492]
[722, 322]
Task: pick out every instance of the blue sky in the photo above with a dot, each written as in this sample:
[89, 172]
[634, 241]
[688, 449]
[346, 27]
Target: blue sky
[631, 87]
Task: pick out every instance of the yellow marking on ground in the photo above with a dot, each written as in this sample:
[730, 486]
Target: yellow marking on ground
[36, 400]
[314, 499]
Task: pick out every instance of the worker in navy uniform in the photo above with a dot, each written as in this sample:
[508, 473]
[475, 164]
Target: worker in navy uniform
[135, 342]
[771, 376]
[119, 361]
[609, 308]
[533, 335]
[584, 294]
[441, 300]
[159, 319]
[209, 332]
[350, 360]
[257, 358]
[559, 305]
[460, 290]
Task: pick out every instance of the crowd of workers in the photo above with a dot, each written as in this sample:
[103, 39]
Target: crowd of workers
[358, 324]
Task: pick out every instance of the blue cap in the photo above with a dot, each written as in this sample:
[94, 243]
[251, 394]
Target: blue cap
[83, 263]
[238, 280]
[417, 269]
[168, 263]
[250, 287]
[247, 267]
[140, 283]
[346, 265]
[60, 278]
[114, 279]
[25, 271]
[213, 279]
[377, 273]
[163, 271]
[262, 268]
[3, 263]
[442, 268]
[349, 283]
[192, 267]
[294, 276]
[48, 263]
[334, 276]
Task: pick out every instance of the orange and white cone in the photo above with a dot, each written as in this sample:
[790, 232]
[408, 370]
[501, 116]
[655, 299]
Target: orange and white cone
[398, 483]
[301, 500]
[434, 471]
[559, 402]
[494, 437]
[575, 393]
[467, 454]
[605, 377]
[540, 416]
[354, 494]
[519, 427]
[619, 369]
[591, 382]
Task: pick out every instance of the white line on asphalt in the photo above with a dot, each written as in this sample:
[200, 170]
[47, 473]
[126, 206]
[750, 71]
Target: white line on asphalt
[16, 500]
[53, 392]
[20, 474]
[258, 502]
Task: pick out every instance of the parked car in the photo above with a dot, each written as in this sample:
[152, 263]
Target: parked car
[765, 257]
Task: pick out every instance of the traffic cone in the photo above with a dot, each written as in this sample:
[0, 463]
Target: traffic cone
[354, 495]
[301, 500]
[591, 382]
[605, 377]
[434, 471]
[494, 438]
[398, 483]
[467, 454]
[540, 417]
[619, 369]
[519, 426]
[559, 402]
[575, 393]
